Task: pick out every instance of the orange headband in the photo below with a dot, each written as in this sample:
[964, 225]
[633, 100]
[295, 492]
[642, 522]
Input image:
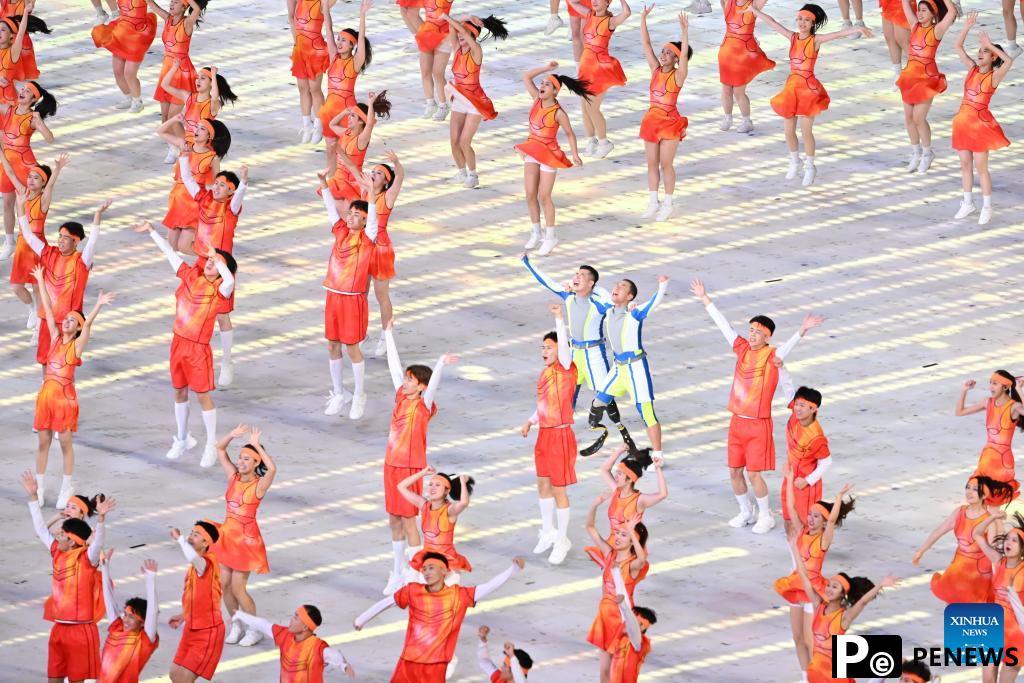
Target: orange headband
[65, 231]
[351, 35]
[1018, 533]
[42, 173]
[75, 537]
[360, 114]
[630, 474]
[305, 618]
[207, 73]
[79, 503]
[553, 79]
[386, 171]
[999, 379]
[508, 663]
[205, 123]
[822, 509]
[931, 5]
[204, 533]
[255, 454]
[472, 28]
[841, 580]
[31, 87]
[10, 24]
[77, 316]
[128, 610]
[807, 13]
[671, 46]
[763, 328]
[913, 677]
[434, 560]
[443, 480]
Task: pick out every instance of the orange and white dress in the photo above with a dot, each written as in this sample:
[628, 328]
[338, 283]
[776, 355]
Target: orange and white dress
[1013, 636]
[740, 57]
[240, 546]
[542, 145]
[597, 67]
[434, 30]
[466, 86]
[130, 35]
[791, 587]
[24, 258]
[996, 459]
[824, 626]
[439, 537]
[803, 94]
[182, 208]
[343, 184]
[341, 91]
[310, 57]
[662, 120]
[26, 69]
[608, 624]
[382, 263]
[176, 42]
[969, 576]
[57, 402]
[920, 80]
[974, 127]
[17, 133]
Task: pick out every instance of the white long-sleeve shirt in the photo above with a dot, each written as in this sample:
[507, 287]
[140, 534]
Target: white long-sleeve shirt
[37, 245]
[332, 656]
[152, 606]
[227, 282]
[487, 665]
[397, 370]
[189, 181]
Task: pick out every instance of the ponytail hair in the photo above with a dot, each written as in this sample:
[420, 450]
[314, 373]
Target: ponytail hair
[221, 141]
[997, 61]
[1006, 374]
[845, 508]
[498, 28]
[576, 86]
[35, 24]
[455, 485]
[46, 104]
[381, 106]
[642, 534]
[820, 18]
[1017, 525]
[859, 587]
[367, 51]
[224, 92]
[638, 461]
[202, 10]
[992, 492]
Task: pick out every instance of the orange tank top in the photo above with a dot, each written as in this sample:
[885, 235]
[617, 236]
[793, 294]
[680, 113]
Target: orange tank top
[383, 214]
[811, 553]
[737, 22]
[176, 39]
[466, 72]
[824, 627]
[133, 11]
[433, 9]
[301, 662]
[341, 77]
[76, 593]
[216, 225]
[201, 164]
[978, 89]
[36, 216]
[13, 9]
[754, 380]
[18, 129]
[608, 581]
[438, 529]
[61, 363]
[348, 269]
[555, 389]
[597, 33]
[923, 44]
[802, 55]
[7, 65]
[241, 498]
[663, 91]
[1000, 575]
[543, 122]
[407, 438]
[349, 143]
[201, 599]
[963, 529]
[620, 509]
[999, 423]
[309, 17]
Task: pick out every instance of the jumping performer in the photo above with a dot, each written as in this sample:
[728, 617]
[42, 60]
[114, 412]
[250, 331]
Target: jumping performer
[132, 636]
[78, 507]
[740, 61]
[350, 54]
[202, 639]
[127, 38]
[12, 46]
[387, 183]
[626, 501]
[353, 129]
[447, 498]
[203, 100]
[896, 31]
[304, 655]
[181, 18]
[1003, 413]
[514, 668]
[431, 34]
[26, 69]
[310, 60]
[1006, 554]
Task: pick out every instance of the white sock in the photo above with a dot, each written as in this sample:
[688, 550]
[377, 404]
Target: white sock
[653, 196]
[359, 372]
[337, 374]
[668, 199]
[562, 520]
[926, 150]
[916, 149]
[762, 507]
[986, 200]
[744, 502]
[210, 420]
[602, 140]
[41, 483]
[226, 339]
[398, 552]
[307, 121]
[809, 159]
[181, 418]
[30, 308]
[795, 156]
[656, 454]
[968, 197]
[547, 516]
[65, 482]
[549, 233]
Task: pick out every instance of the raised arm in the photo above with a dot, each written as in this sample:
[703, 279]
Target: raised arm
[19, 37]
[947, 21]
[103, 299]
[227, 280]
[167, 83]
[363, 139]
[791, 497]
[485, 589]
[411, 496]
[483, 657]
[99, 534]
[642, 312]
[1000, 72]
[802, 571]
[374, 610]
[810, 322]
[941, 530]
[239, 196]
[187, 179]
[191, 556]
[640, 553]
[109, 601]
[329, 206]
[684, 41]
[459, 506]
[58, 166]
[606, 469]
[967, 60]
[755, 7]
[701, 292]
[252, 621]
[564, 351]
[528, 76]
[333, 657]
[645, 40]
[851, 614]
[592, 522]
[618, 19]
[165, 131]
[172, 256]
[910, 14]
[215, 103]
[649, 500]
[544, 278]
[359, 59]
[223, 458]
[435, 378]
[961, 407]
[28, 482]
[980, 536]
[263, 485]
[391, 196]
[192, 18]
[332, 43]
[830, 524]
[36, 244]
[158, 10]
[372, 223]
[394, 362]
[626, 611]
[44, 300]
[152, 604]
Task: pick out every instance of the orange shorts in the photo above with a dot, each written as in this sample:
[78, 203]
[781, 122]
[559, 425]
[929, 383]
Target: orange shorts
[394, 503]
[200, 649]
[74, 652]
[414, 672]
[346, 317]
[554, 456]
[191, 365]
[751, 444]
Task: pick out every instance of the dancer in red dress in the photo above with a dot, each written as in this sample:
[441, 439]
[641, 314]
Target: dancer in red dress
[975, 131]
[386, 180]
[350, 54]
[127, 38]
[353, 128]
[1004, 413]
[1006, 554]
[310, 60]
[896, 31]
[514, 668]
[627, 502]
[202, 638]
[207, 96]
[240, 549]
[740, 60]
[662, 127]
[447, 498]
[432, 40]
[27, 69]
[181, 18]
[132, 636]
[304, 655]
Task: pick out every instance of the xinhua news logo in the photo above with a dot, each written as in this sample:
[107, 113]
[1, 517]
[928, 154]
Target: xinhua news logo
[867, 656]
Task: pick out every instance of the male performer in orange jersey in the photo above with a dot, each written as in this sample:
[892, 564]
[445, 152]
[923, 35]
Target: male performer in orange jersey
[303, 654]
[406, 453]
[75, 604]
[751, 444]
[554, 455]
[202, 639]
[204, 289]
[436, 612]
[346, 313]
[632, 647]
[514, 669]
[219, 208]
[131, 635]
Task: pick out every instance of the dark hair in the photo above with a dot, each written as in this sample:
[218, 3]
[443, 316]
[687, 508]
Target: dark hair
[189, 11]
[916, 668]
[229, 261]
[77, 527]
[939, 10]
[764, 320]
[221, 141]
[381, 106]
[421, 373]
[314, 614]
[997, 61]
[642, 534]
[992, 492]
[524, 659]
[359, 205]
[845, 508]
[552, 335]
[498, 28]
[1012, 390]
[224, 92]
[90, 503]
[632, 288]
[230, 177]
[434, 556]
[592, 270]
[210, 529]
[455, 485]
[647, 613]
[859, 586]
[367, 50]
[576, 86]
[388, 183]
[46, 168]
[638, 461]
[46, 105]
[35, 24]
[820, 18]
[808, 394]
[1018, 522]
[260, 468]
[74, 227]
[138, 606]
[679, 46]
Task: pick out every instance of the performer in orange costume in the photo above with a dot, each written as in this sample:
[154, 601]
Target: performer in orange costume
[975, 131]
[1006, 553]
[740, 60]
[436, 612]
[353, 141]
[310, 60]
[598, 69]
[467, 100]
[406, 454]
[627, 502]
[632, 646]
[1003, 413]
[181, 18]
[75, 604]
[896, 31]
[515, 667]
[969, 576]
[920, 80]
[626, 555]
[807, 451]
[202, 640]
[208, 95]
[662, 127]
[132, 637]
[447, 498]
[751, 446]
[304, 655]
[387, 183]
[542, 157]
[350, 53]
[127, 38]
[431, 34]
[12, 46]
[240, 549]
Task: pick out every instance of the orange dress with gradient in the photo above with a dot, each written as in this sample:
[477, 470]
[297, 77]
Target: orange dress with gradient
[740, 57]
[301, 662]
[182, 208]
[439, 537]
[805, 447]
[969, 576]
[26, 69]
[176, 42]
[310, 57]
[662, 120]
[996, 459]
[341, 91]
[24, 258]
[920, 79]
[125, 654]
[434, 30]
[76, 593]
[974, 127]
[597, 67]
[65, 278]
[57, 402]
[8, 70]
[803, 94]
[130, 35]
[791, 588]
[892, 11]
[819, 670]
[195, 111]
[620, 510]
[382, 265]
[1013, 636]
[542, 144]
[343, 184]
[240, 546]
[466, 85]
[17, 132]
[608, 626]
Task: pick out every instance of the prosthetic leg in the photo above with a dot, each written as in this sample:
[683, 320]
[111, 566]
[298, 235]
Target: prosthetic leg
[597, 410]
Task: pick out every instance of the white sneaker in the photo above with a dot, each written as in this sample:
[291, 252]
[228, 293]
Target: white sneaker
[336, 401]
[665, 211]
[534, 239]
[136, 106]
[846, 24]
[796, 167]
[209, 456]
[450, 669]
[429, 108]
[966, 209]
[178, 447]
[591, 147]
[927, 157]
[554, 23]
[100, 18]
[603, 147]
[746, 126]
[64, 495]
[915, 160]
[442, 112]
[472, 180]
[810, 171]
[382, 347]
[699, 7]
[544, 542]
[227, 375]
[1014, 50]
[318, 135]
[32, 321]
[234, 633]
[358, 407]
[125, 103]
[395, 581]
[547, 246]
[985, 216]
[743, 519]
[7, 249]
[652, 208]
[559, 550]
[251, 637]
[459, 177]
[765, 523]
[859, 24]
[171, 156]
[306, 134]
[726, 123]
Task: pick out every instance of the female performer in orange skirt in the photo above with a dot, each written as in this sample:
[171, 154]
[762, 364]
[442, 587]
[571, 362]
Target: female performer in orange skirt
[969, 576]
[350, 54]
[27, 69]
[386, 180]
[468, 102]
[627, 555]
[240, 549]
[353, 142]
[18, 121]
[542, 157]
[1003, 413]
[211, 92]
[803, 96]
[662, 127]
[447, 498]
[812, 543]
[431, 39]
[920, 80]
[310, 60]
[896, 30]
[1006, 553]
[975, 131]
[181, 18]
[209, 146]
[842, 600]
[57, 402]
[627, 502]
[740, 60]
[599, 69]
[127, 38]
